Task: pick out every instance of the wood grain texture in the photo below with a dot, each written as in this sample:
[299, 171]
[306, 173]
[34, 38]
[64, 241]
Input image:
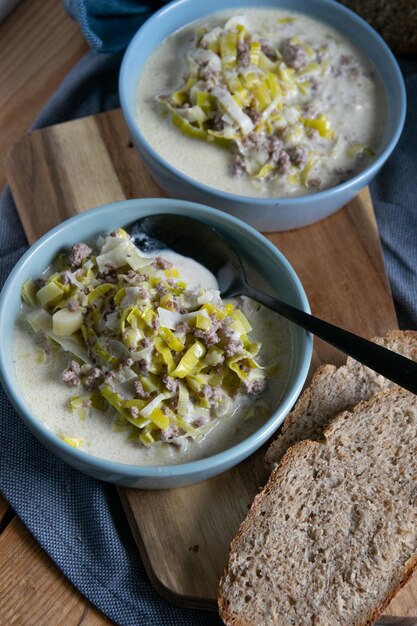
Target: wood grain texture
[203, 520]
[340, 264]
[31, 595]
[184, 534]
[39, 43]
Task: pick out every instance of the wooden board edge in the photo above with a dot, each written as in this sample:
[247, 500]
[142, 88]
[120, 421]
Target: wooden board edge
[15, 191]
[182, 601]
[389, 620]
[10, 155]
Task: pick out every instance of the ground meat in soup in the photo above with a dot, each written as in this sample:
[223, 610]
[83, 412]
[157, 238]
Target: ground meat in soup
[330, 119]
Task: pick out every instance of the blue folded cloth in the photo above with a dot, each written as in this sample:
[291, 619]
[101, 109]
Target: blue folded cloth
[77, 520]
[394, 196]
[108, 25]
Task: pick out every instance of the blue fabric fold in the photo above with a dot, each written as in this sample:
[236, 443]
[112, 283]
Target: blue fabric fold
[109, 25]
[77, 520]
[394, 196]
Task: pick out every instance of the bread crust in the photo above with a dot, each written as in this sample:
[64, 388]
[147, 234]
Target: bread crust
[404, 342]
[290, 459]
[401, 341]
[395, 21]
[292, 453]
[409, 569]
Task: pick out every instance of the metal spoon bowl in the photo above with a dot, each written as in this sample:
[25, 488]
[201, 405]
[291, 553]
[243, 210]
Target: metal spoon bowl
[196, 239]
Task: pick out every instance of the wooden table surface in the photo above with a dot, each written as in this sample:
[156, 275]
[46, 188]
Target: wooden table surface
[39, 44]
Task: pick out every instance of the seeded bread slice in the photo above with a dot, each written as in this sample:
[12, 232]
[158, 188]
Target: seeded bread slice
[333, 390]
[333, 535]
[395, 20]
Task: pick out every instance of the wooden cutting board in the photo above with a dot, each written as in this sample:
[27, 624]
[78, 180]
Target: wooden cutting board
[183, 534]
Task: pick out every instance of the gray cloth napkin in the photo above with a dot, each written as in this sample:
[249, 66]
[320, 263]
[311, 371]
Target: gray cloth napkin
[109, 25]
[394, 195]
[79, 521]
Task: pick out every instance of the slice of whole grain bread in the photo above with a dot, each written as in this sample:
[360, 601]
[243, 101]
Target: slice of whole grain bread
[333, 390]
[395, 20]
[333, 535]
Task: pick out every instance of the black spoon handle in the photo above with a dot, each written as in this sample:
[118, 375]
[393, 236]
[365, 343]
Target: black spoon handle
[395, 367]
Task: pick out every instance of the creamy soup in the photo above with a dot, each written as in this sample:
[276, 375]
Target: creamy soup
[61, 385]
[261, 102]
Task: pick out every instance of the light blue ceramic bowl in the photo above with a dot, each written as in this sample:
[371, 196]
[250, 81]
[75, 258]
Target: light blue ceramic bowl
[254, 248]
[269, 214]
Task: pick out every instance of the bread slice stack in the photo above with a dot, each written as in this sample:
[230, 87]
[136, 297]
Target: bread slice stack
[333, 390]
[333, 535]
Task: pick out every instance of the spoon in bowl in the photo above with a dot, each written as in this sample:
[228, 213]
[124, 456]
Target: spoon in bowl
[193, 238]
